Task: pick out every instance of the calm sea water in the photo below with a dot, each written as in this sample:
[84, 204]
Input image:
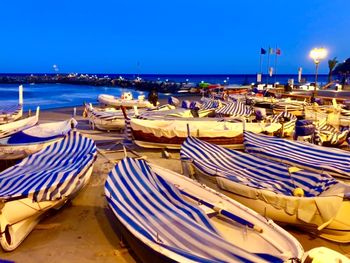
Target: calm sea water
[49, 96]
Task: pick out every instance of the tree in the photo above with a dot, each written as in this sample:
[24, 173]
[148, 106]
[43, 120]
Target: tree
[331, 64]
[343, 69]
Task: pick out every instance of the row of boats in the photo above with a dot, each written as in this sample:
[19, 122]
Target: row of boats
[171, 217]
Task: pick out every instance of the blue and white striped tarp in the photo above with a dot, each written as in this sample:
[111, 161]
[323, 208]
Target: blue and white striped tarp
[289, 119]
[156, 213]
[235, 109]
[52, 173]
[7, 112]
[210, 104]
[305, 155]
[252, 171]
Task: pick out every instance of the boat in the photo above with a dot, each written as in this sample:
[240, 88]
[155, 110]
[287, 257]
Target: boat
[43, 181]
[288, 121]
[235, 109]
[299, 154]
[106, 119]
[23, 143]
[10, 113]
[313, 201]
[12, 127]
[125, 101]
[328, 135]
[166, 217]
[171, 133]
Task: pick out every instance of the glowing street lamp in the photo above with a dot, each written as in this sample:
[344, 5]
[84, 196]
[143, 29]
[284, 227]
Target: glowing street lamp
[317, 54]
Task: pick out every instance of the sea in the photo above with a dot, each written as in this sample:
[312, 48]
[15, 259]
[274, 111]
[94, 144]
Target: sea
[49, 96]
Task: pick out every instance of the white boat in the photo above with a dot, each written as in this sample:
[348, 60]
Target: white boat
[23, 143]
[10, 113]
[307, 156]
[45, 180]
[12, 127]
[105, 119]
[109, 119]
[167, 217]
[171, 133]
[110, 100]
[314, 201]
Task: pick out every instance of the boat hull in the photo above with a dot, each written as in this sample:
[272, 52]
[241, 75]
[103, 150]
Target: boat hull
[13, 152]
[19, 217]
[337, 229]
[149, 140]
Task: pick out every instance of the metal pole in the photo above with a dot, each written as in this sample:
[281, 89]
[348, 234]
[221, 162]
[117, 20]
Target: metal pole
[315, 89]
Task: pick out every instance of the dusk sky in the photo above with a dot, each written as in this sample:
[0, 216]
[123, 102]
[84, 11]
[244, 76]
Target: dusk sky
[160, 37]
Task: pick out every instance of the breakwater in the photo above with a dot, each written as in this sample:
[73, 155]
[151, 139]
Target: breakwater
[93, 80]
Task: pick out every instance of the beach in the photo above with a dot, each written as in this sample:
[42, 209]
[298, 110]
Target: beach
[84, 230]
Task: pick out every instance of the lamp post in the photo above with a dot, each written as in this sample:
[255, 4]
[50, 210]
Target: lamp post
[317, 54]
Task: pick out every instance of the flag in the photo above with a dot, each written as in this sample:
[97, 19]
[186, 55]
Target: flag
[270, 50]
[278, 51]
[262, 51]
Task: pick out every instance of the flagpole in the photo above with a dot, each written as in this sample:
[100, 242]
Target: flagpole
[275, 63]
[268, 65]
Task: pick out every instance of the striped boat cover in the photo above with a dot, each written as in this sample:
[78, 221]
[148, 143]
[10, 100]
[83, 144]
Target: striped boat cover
[326, 133]
[7, 112]
[10, 109]
[107, 115]
[305, 155]
[289, 122]
[52, 173]
[128, 130]
[155, 212]
[235, 109]
[210, 104]
[252, 171]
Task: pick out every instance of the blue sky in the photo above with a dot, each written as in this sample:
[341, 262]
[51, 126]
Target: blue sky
[163, 36]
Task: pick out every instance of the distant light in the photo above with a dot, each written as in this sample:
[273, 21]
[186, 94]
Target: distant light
[186, 80]
[317, 54]
[202, 81]
[166, 80]
[225, 81]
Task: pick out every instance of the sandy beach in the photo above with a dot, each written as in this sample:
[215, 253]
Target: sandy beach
[84, 231]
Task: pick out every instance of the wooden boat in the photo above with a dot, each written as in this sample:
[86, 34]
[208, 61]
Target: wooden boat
[43, 181]
[314, 201]
[105, 119]
[23, 143]
[12, 113]
[327, 135]
[235, 109]
[171, 133]
[109, 119]
[299, 154]
[166, 217]
[287, 121]
[110, 100]
[12, 127]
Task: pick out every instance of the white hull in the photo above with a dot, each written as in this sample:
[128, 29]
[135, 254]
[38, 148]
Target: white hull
[117, 102]
[10, 151]
[19, 125]
[19, 217]
[272, 239]
[299, 211]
